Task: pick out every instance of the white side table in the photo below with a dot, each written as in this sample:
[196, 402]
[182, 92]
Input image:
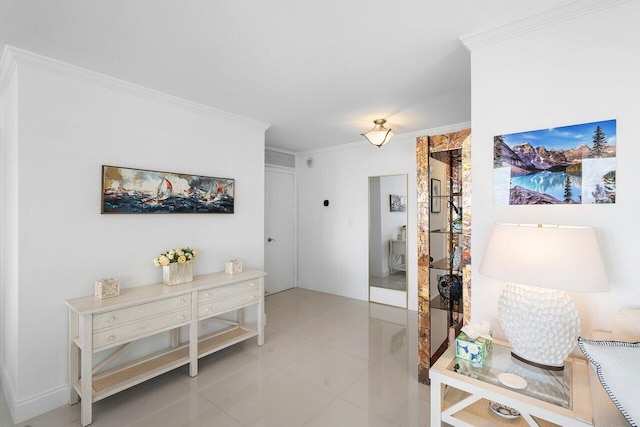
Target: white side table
[397, 255]
[461, 392]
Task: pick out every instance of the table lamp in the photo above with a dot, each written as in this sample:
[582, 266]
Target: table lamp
[541, 263]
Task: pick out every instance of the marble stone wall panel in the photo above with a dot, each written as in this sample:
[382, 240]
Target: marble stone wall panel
[425, 145]
[466, 229]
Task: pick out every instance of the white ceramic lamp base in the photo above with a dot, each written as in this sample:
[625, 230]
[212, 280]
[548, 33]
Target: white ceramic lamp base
[542, 325]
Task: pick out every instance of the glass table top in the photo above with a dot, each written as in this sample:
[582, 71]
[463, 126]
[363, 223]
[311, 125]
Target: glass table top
[549, 386]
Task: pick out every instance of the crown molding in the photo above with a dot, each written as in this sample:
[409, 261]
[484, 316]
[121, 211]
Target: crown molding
[13, 57]
[537, 22]
[7, 68]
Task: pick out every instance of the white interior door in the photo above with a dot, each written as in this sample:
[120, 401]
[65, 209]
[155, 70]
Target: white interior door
[279, 226]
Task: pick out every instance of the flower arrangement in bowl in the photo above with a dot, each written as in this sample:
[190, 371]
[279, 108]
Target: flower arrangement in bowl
[175, 255]
[176, 265]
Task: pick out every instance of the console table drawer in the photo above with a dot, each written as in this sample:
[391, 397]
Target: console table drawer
[130, 314]
[140, 328]
[225, 291]
[220, 305]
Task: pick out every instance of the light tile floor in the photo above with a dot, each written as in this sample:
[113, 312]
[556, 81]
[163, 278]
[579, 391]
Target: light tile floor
[326, 361]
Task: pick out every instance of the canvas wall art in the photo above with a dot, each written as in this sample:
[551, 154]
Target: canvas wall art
[397, 203]
[565, 165]
[126, 190]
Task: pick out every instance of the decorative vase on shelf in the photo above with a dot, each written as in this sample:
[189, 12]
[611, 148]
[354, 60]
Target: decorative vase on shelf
[177, 273]
[450, 288]
[176, 265]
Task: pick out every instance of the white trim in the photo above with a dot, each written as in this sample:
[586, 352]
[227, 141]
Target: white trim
[536, 22]
[409, 135]
[40, 403]
[388, 296]
[7, 68]
[279, 150]
[13, 56]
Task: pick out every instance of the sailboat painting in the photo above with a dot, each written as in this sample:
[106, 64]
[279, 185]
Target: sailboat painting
[127, 190]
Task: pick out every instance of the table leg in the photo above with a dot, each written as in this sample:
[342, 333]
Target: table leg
[193, 337]
[175, 337]
[436, 402]
[86, 386]
[262, 318]
[74, 357]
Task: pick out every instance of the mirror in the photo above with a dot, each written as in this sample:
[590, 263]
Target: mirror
[445, 248]
[388, 240]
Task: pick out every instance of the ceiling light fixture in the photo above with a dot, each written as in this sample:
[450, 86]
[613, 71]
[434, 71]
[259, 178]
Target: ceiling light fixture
[379, 135]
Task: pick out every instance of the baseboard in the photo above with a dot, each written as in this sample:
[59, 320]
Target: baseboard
[22, 410]
[330, 289]
[388, 297]
[7, 390]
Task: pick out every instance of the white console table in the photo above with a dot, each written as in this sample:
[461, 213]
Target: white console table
[100, 324]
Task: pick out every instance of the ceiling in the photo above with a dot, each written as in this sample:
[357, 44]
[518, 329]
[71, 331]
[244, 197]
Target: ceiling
[318, 71]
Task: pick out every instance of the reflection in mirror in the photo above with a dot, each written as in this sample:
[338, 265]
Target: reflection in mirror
[445, 249]
[388, 239]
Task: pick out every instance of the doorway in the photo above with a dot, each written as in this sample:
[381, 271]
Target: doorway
[279, 228]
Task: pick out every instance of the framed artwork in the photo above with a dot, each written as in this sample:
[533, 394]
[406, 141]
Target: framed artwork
[436, 193]
[131, 191]
[566, 165]
[397, 203]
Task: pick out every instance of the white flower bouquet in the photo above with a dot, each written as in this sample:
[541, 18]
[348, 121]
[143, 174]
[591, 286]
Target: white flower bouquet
[175, 255]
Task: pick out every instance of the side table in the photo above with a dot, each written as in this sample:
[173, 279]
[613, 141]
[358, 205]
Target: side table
[461, 392]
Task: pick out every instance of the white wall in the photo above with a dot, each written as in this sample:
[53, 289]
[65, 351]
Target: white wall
[580, 70]
[333, 241]
[8, 232]
[70, 122]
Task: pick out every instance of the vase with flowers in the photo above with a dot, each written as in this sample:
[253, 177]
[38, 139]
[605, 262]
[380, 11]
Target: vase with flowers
[177, 265]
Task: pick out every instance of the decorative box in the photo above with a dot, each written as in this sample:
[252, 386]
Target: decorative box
[107, 288]
[476, 351]
[233, 267]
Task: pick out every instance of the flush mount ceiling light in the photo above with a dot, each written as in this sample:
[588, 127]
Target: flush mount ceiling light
[379, 135]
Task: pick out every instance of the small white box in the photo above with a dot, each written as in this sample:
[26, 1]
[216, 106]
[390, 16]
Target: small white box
[233, 267]
[107, 288]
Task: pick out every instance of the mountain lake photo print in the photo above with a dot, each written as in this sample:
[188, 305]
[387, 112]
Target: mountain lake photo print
[565, 165]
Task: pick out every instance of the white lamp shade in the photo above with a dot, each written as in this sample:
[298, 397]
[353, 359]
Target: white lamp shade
[548, 256]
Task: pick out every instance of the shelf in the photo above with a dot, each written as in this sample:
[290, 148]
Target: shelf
[479, 414]
[130, 374]
[136, 372]
[446, 196]
[443, 264]
[224, 338]
[439, 304]
[401, 267]
[445, 231]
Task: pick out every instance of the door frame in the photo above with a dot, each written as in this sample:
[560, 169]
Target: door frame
[292, 172]
[391, 297]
